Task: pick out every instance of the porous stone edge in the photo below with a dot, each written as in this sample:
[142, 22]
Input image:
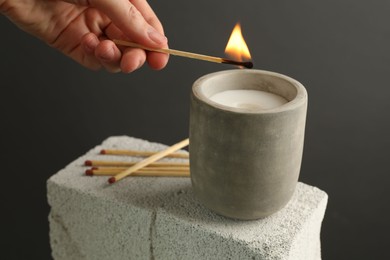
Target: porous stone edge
[192, 242]
[310, 232]
[84, 227]
[195, 241]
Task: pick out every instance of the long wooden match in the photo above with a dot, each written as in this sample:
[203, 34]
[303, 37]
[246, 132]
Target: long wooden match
[145, 169]
[99, 163]
[191, 55]
[156, 172]
[149, 160]
[141, 153]
[141, 173]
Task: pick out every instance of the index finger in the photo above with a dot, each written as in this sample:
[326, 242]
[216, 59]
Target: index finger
[148, 13]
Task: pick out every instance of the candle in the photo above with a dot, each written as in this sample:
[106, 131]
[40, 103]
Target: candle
[248, 99]
[246, 141]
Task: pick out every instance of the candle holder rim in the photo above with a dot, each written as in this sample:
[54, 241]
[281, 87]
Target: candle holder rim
[299, 99]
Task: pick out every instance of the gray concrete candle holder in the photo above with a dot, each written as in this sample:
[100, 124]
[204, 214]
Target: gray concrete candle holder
[245, 163]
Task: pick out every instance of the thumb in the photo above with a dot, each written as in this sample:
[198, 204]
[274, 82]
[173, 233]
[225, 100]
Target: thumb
[128, 19]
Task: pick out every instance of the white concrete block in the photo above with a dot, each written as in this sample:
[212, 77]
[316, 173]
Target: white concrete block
[159, 218]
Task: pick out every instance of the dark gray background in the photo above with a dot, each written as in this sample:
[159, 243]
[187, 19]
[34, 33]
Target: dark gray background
[53, 110]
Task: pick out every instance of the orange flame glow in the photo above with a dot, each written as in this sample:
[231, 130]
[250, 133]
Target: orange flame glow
[236, 47]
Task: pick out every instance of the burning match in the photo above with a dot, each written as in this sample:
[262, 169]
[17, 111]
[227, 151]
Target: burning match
[246, 64]
[236, 48]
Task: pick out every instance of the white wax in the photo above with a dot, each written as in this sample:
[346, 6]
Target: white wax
[248, 99]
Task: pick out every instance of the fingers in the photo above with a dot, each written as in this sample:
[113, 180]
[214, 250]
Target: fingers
[89, 42]
[128, 60]
[155, 60]
[136, 21]
[109, 55]
[129, 19]
[106, 54]
[132, 59]
[100, 53]
[148, 14]
[115, 10]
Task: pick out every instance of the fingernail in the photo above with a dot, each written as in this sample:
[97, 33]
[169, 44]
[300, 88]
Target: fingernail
[141, 63]
[155, 36]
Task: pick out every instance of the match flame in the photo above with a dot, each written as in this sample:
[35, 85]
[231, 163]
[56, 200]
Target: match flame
[236, 47]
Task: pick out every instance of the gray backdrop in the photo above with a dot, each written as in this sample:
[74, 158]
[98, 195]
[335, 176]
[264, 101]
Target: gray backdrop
[53, 110]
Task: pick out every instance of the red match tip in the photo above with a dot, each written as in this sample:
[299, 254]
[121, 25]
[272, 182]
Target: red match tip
[103, 151]
[89, 172]
[111, 180]
[88, 163]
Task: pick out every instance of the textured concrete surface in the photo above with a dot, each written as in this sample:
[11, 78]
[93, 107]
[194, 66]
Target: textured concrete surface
[159, 218]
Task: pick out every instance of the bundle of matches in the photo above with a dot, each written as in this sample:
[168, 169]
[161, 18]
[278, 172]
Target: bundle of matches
[157, 169]
[169, 171]
[146, 167]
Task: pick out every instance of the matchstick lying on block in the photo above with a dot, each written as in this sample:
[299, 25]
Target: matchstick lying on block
[142, 153]
[145, 169]
[144, 172]
[128, 164]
